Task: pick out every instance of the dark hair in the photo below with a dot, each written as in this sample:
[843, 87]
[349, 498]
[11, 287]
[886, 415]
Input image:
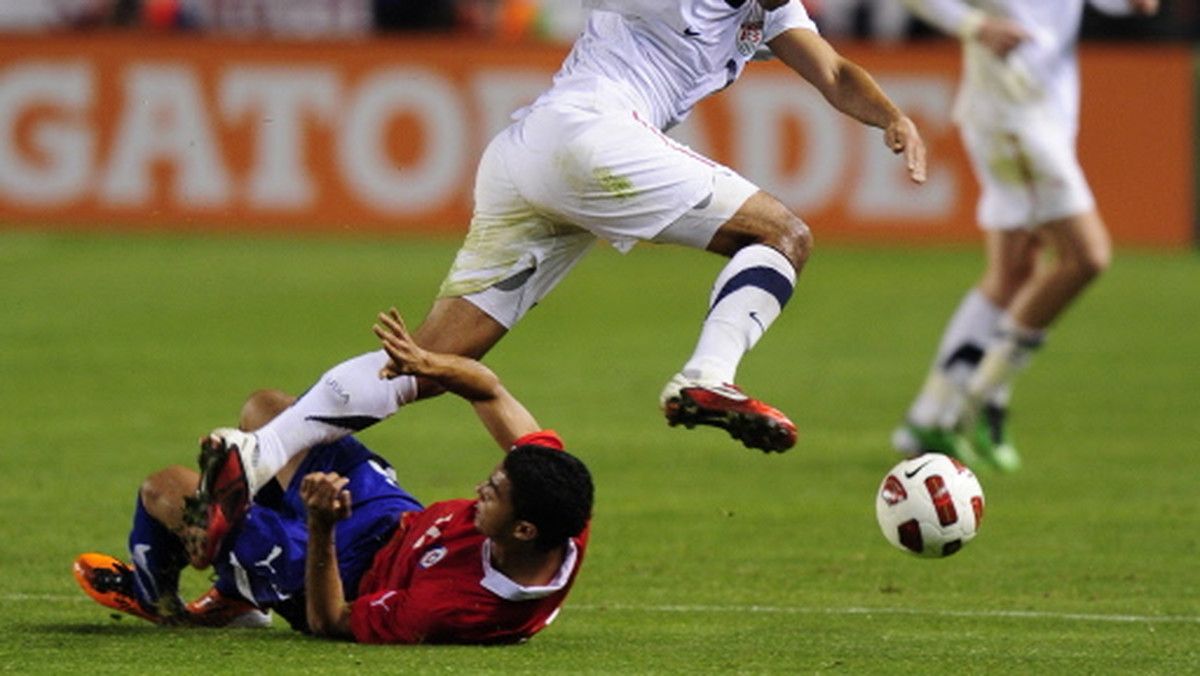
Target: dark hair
[551, 489]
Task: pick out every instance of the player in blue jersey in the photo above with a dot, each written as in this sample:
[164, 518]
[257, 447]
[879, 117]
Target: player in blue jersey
[263, 567]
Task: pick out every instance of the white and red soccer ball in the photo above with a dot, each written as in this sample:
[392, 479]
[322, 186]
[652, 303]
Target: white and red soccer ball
[929, 505]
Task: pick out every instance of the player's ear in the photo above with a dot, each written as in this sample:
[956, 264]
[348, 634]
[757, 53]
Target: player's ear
[525, 531]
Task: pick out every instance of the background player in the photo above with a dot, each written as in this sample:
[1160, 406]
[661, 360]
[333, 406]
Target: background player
[1018, 111]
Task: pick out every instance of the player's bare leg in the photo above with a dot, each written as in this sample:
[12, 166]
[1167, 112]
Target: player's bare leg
[1081, 251]
[456, 326]
[767, 246]
[932, 421]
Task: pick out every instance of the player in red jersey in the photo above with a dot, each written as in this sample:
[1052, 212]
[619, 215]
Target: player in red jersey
[460, 571]
[491, 570]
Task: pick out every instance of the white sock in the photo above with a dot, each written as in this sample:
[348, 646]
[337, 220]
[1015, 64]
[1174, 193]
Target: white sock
[1007, 356]
[747, 296]
[349, 397]
[970, 330]
[939, 403]
[964, 341]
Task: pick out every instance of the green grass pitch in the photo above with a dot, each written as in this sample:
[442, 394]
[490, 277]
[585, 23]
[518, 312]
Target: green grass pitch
[118, 352]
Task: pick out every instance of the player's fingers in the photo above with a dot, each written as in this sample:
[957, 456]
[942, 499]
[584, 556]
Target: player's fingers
[394, 323]
[389, 324]
[914, 156]
[399, 321]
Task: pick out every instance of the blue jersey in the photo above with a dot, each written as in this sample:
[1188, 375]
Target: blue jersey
[264, 558]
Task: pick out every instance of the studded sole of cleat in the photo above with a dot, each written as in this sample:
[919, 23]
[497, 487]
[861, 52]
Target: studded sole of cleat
[754, 431]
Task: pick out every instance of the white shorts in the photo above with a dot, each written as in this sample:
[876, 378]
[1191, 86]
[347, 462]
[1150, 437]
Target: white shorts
[1027, 176]
[561, 177]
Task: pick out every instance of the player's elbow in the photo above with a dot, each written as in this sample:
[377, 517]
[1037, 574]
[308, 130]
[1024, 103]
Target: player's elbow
[329, 623]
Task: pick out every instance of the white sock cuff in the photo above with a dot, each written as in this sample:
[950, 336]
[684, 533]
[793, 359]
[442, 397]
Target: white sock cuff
[759, 265]
[1027, 338]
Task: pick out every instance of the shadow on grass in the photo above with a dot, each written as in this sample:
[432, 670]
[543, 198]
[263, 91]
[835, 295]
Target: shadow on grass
[120, 626]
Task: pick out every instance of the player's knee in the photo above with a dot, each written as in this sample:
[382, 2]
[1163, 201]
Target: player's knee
[152, 489]
[261, 406]
[797, 242]
[788, 234]
[167, 487]
[1094, 264]
[1087, 264]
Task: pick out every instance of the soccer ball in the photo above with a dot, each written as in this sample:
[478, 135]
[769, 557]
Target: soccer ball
[929, 505]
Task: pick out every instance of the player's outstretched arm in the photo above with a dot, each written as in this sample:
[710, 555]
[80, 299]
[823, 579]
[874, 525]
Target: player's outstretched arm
[502, 414]
[850, 89]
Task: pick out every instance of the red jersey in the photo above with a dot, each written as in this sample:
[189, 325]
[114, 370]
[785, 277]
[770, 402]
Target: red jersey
[433, 582]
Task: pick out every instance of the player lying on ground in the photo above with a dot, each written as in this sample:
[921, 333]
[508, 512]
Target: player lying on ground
[588, 161]
[334, 545]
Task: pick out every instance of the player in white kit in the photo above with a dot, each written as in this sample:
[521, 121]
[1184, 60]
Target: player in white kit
[589, 160]
[1018, 112]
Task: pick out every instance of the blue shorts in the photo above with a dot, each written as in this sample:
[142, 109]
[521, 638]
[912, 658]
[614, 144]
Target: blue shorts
[263, 559]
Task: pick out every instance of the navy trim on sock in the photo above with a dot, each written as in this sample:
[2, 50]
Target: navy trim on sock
[768, 279]
[967, 353]
[356, 423]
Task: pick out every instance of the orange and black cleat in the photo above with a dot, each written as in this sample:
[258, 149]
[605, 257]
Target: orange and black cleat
[110, 583]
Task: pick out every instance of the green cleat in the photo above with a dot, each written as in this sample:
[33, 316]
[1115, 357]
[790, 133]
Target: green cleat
[991, 441]
[910, 440]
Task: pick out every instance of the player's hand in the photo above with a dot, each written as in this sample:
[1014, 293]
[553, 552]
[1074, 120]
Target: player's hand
[406, 356]
[1001, 35]
[1146, 7]
[902, 137]
[325, 497]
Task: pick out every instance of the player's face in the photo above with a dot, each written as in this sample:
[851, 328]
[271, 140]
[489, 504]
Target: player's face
[494, 509]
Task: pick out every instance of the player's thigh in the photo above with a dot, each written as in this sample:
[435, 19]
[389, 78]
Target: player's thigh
[515, 251]
[493, 285]
[731, 197]
[456, 326]
[614, 174]
[265, 562]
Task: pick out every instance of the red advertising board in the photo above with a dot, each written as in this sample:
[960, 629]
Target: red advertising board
[157, 132]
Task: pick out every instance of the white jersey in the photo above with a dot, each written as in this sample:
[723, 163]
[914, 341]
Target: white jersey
[1038, 79]
[660, 58]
